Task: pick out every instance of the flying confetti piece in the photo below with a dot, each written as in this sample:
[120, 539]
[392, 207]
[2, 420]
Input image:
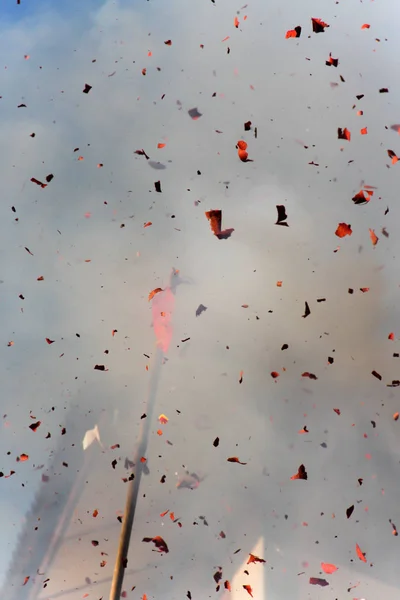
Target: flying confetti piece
[307, 310]
[87, 88]
[344, 134]
[332, 62]
[234, 459]
[163, 419]
[200, 309]
[301, 473]
[194, 114]
[293, 33]
[90, 436]
[318, 26]
[374, 237]
[309, 375]
[142, 153]
[343, 229]
[360, 554]
[282, 216]
[35, 426]
[154, 292]
[242, 151]
[248, 589]
[363, 197]
[42, 185]
[159, 543]
[254, 559]
[328, 568]
[215, 219]
[318, 581]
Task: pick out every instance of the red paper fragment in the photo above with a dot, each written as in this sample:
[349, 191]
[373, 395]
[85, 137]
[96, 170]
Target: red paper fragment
[344, 134]
[363, 196]
[234, 459]
[318, 581]
[42, 185]
[215, 219]
[301, 473]
[360, 554]
[159, 543]
[35, 426]
[293, 33]
[309, 375]
[318, 26]
[248, 589]
[328, 568]
[254, 559]
[154, 292]
[374, 237]
[332, 62]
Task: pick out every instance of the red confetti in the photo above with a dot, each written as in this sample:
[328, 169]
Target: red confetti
[328, 568]
[360, 554]
[159, 543]
[234, 459]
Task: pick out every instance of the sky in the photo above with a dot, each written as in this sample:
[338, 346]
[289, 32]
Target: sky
[81, 256]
